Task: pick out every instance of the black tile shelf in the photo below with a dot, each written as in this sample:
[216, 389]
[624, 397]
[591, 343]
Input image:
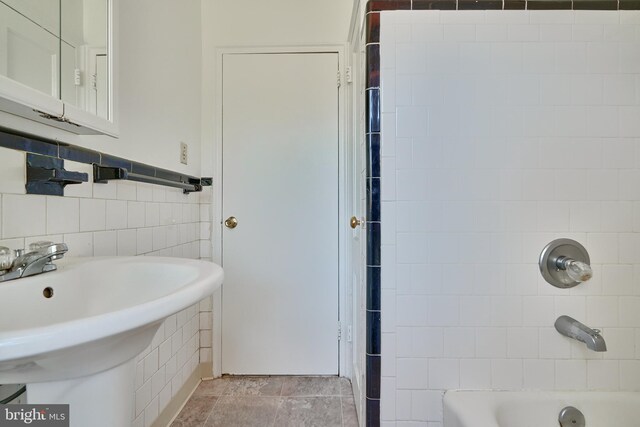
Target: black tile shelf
[47, 176]
[129, 169]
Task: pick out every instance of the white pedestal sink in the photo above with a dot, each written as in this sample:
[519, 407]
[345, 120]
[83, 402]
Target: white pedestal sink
[78, 346]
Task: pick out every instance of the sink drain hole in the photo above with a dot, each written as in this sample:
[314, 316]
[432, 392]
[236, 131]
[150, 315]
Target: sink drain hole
[47, 292]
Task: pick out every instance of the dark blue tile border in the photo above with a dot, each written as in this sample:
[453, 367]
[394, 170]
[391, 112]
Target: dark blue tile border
[142, 169]
[514, 4]
[372, 211]
[64, 151]
[374, 337]
[373, 66]
[479, 4]
[78, 154]
[373, 199]
[434, 4]
[373, 125]
[373, 413]
[629, 4]
[595, 4]
[373, 111]
[28, 144]
[373, 155]
[115, 162]
[373, 376]
[549, 4]
[373, 291]
[374, 247]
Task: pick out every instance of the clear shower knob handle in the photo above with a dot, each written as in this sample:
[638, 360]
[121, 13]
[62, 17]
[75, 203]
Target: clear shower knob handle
[578, 271]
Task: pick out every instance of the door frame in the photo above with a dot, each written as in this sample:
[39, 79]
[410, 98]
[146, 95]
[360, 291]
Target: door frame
[344, 158]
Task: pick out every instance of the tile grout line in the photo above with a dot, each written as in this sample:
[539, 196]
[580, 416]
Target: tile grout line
[275, 416]
[218, 398]
[204, 423]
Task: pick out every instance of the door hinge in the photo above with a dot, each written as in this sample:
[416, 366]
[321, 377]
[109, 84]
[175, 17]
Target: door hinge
[339, 331]
[77, 77]
[339, 79]
[349, 75]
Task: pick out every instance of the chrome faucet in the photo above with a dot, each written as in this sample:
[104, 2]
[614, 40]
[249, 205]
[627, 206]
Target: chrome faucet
[571, 328]
[38, 260]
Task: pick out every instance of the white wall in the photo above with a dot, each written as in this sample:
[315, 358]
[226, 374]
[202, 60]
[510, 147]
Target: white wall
[229, 23]
[501, 132]
[276, 22]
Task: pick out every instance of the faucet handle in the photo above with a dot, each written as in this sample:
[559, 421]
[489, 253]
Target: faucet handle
[41, 244]
[6, 258]
[577, 270]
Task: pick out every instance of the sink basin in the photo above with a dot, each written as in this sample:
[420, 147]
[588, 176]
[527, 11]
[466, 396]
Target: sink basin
[90, 317]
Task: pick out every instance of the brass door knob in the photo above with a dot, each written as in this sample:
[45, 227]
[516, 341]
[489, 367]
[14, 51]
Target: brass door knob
[355, 222]
[231, 222]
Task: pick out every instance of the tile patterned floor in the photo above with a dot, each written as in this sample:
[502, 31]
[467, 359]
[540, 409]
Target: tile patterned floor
[270, 401]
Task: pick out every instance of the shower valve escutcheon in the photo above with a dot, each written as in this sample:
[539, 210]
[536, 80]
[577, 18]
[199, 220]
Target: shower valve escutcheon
[564, 263]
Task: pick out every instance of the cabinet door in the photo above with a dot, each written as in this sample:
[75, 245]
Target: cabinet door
[48, 72]
[19, 99]
[88, 81]
[29, 57]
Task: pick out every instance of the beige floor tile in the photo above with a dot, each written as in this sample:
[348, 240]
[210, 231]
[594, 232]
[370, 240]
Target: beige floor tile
[311, 386]
[349, 415]
[254, 386]
[237, 401]
[345, 387]
[214, 387]
[244, 411]
[195, 412]
[323, 411]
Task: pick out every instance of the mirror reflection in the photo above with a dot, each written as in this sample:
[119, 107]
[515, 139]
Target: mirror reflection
[58, 47]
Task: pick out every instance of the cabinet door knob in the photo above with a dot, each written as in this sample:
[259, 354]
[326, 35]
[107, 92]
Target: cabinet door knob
[231, 222]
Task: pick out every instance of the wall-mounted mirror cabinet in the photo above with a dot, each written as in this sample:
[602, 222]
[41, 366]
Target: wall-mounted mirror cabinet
[57, 63]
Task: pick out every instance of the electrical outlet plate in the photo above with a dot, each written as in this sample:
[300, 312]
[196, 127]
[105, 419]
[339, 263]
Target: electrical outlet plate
[184, 153]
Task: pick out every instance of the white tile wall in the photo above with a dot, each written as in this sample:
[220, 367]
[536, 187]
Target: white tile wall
[123, 218]
[503, 130]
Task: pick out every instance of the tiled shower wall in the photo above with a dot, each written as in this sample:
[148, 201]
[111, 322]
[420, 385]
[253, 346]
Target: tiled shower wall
[501, 131]
[122, 218]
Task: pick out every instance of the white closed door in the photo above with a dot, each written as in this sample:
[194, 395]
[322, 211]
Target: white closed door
[280, 190]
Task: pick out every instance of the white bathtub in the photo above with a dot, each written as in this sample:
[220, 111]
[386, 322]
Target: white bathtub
[539, 408]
